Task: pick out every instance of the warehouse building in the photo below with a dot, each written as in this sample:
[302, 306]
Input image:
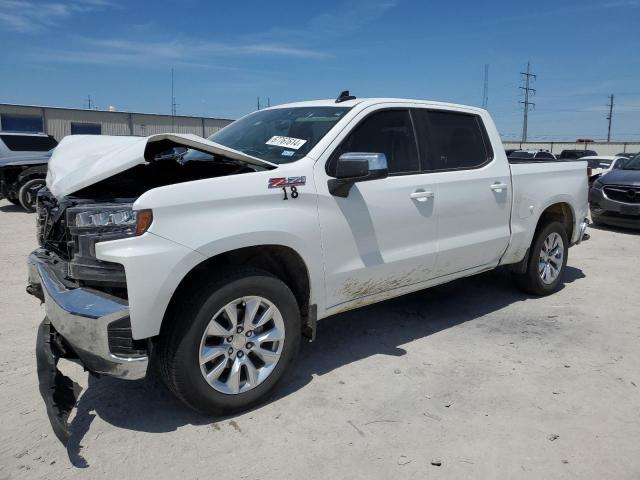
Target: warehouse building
[60, 122]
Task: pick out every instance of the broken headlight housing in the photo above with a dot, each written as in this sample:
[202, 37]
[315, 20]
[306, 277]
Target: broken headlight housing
[90, 224]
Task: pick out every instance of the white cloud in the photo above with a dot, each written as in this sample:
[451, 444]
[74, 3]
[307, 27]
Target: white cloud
[300, 43]
[583, 8]
[27, 16]
[188, 53]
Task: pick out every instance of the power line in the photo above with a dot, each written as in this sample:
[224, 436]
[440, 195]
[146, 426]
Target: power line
[173, 102]
[610, 116]
[485, 89]
[527, 78]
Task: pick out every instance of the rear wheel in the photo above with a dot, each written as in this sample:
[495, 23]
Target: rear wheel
[28, 192]
[229, 343]
[547, 261]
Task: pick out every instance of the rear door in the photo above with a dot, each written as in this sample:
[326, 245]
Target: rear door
[473, 201]
[383, 236]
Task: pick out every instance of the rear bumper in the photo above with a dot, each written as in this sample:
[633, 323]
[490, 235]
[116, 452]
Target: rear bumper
[582, 233]
[85, 319]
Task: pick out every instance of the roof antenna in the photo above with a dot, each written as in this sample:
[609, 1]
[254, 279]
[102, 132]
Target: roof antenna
[344, 96]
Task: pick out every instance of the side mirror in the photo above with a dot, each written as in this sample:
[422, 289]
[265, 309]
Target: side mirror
[355, 167]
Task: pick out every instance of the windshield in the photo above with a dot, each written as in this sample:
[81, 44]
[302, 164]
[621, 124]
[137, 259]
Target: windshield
[598, 163]
[631, 164]
[279, 135]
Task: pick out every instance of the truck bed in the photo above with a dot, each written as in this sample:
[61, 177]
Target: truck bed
[536, 185]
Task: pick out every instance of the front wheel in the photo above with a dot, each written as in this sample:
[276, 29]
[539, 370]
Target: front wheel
[547, 261]
[230, 341]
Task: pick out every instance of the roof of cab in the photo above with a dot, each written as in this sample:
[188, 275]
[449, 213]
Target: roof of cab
[365, 102]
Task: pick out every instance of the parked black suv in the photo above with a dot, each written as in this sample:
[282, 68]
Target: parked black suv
[23, 166]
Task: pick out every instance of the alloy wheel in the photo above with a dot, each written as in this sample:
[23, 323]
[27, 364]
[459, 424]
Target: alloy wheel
[241, 345]
[551, 258]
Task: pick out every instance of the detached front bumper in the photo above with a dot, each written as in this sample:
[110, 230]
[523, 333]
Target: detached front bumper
[95, 325]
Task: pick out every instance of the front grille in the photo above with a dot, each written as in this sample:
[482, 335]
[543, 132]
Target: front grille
[50, 224]
[121, 342]
[622, 194]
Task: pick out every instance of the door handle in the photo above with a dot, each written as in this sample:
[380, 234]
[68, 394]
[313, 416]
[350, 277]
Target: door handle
[421, 196]
[498, 187]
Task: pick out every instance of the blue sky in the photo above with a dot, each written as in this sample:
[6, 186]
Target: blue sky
[225, 54]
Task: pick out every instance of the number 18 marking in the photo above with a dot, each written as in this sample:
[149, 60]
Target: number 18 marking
[294, 193]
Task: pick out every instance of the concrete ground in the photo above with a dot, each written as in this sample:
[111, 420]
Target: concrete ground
[473, 374]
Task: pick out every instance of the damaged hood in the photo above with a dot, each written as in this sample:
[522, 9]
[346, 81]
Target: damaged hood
[82, 160]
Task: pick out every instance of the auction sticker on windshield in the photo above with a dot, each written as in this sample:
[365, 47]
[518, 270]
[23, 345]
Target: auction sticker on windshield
[288, 142]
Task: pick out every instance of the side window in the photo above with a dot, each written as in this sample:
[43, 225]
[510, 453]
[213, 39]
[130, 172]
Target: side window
[544, 156]
[452, 140]
[389, 132]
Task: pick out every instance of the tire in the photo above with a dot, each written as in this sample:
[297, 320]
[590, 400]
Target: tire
[15, 201]
[27, 193]
[181, 342]
[532, 280]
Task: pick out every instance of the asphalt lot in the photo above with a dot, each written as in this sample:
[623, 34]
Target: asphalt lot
[473, 374]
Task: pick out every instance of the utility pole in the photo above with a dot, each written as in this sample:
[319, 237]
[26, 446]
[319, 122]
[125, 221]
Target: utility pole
[485, 90]
[89, 101]
[268, 101]
[610, 116]
[258, 102]
[527, 81]
[173, 103]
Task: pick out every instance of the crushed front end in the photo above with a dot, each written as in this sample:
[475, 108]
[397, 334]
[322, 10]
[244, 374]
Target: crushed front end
[87, 312]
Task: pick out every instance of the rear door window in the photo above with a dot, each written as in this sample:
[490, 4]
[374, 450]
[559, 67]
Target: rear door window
[451, 140]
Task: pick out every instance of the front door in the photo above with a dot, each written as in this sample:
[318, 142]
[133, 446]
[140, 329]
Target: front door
[383, 235]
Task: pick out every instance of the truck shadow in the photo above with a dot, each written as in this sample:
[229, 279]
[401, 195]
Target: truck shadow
[11, 208]
[147, 406]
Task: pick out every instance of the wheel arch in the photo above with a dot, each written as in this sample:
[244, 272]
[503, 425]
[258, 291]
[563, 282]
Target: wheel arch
[561, 212]
[281, 261]
[38, 171]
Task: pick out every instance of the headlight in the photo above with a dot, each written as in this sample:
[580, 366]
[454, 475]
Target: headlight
[105, 218]
[91, 224]
[112, 221]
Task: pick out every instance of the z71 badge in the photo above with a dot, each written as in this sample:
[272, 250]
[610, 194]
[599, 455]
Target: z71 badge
[282, 182]
[288, 182]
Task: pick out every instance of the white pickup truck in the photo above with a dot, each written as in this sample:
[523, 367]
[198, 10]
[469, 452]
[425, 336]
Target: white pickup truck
[213, 267]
